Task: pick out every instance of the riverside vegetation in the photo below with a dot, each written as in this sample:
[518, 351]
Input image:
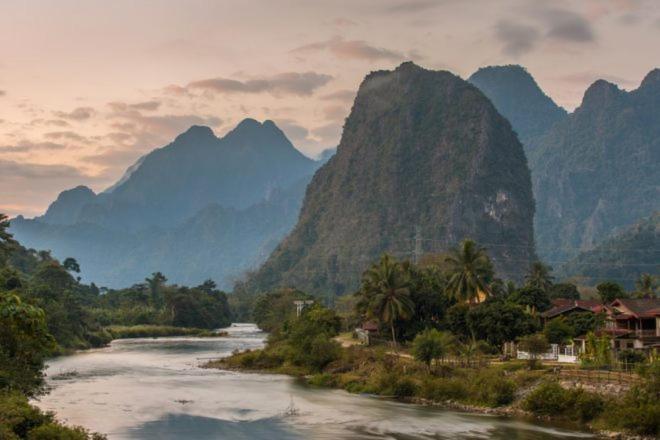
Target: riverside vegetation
[446, 319]
[45, 310]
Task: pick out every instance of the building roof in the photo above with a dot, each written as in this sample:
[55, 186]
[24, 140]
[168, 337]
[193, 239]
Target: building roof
[638, 308]
[370, 326]
[563, 305]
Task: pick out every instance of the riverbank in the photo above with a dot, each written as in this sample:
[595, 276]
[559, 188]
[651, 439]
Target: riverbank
[159, 331]
[507, 389]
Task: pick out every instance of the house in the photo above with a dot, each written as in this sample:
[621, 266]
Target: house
[565, 307]
[365, 332]
[634, 323]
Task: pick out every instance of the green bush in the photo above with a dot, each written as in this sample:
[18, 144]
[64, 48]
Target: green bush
[322, 380]
[587, 406]
[443, 389]
[550, 399]
[20, 420]
[404, 387]
[492, 388]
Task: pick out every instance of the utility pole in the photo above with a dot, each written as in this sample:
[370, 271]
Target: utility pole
[417, 247]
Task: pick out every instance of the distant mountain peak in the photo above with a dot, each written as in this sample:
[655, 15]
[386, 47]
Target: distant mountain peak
[600, 93]
[196, 133]
[517, 96]
[652, 79]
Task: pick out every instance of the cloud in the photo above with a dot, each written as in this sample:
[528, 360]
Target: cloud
[34, 185]
[2, 93]
[136, 132]
[290, 83]
[77, 114]
[589, 77]
[340, 95]
[343, 22]
[26, 146]
[13, 171]
[65, 135]
[518, 39]
[564, 25]
[406, 6]
[329, 133]
[335, 112]
[350, 49]
[294, 131]
[152, 105]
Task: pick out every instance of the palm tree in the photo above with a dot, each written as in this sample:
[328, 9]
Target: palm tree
[539, 276]
[646, 286]
[470, 272]
[386, 293]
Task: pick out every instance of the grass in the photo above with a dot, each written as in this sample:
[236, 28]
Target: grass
[510, 386]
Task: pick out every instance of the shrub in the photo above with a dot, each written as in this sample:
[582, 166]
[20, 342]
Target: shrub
[441, 389]
[550, 399]
[404, 387]
[322, 380]
[491, 388]
[588, 405]
[632, 356]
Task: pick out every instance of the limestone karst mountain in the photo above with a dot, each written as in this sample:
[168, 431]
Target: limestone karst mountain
[519, 98]
[596, 172]
[421, 150]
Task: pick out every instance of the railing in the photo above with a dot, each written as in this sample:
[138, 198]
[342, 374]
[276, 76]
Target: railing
[647, 333]
[600, 376]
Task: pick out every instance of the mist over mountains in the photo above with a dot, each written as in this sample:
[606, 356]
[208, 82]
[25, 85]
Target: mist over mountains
[200, 207]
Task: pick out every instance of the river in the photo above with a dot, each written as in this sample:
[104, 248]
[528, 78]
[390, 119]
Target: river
[154, 389]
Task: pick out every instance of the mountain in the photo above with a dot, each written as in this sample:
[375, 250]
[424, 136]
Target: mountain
[596, 172]
[197, 169]
[66, 209]
[518, 97]
[421, 150]
[201, 207]
[622, 258]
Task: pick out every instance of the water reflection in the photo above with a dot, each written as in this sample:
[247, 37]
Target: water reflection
[154, 389]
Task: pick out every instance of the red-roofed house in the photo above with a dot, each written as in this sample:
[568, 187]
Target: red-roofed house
[634, 323]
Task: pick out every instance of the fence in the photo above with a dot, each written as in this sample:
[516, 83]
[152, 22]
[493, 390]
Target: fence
[618, 376]
[474, 362]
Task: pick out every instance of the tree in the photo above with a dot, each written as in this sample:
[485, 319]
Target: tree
[564, 290]
[646, 286]
[71, 265]
[156, 283]
[558, 331]
[386, 293]
[24, 345]
[470, 272]
[535, 345]
[584, 322]
[533, 297]
[427, 287]
[609, 291]
[6, 239]
[497, 321]
[430, 345]
[539, 276]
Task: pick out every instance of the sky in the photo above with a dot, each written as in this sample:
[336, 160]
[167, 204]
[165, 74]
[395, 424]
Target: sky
[89, 86]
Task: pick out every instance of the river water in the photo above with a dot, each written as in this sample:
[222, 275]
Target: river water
[154, 389]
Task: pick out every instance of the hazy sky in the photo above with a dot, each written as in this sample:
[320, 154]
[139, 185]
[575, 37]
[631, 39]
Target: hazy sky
[88, 86]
